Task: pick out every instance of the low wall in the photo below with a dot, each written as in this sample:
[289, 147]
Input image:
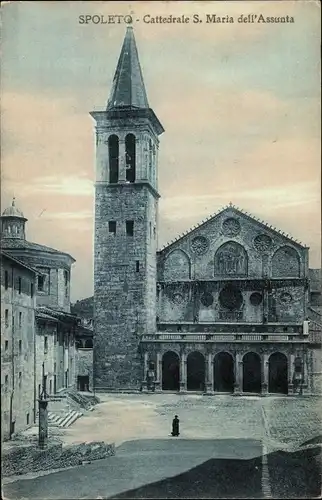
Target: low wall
[26, 457]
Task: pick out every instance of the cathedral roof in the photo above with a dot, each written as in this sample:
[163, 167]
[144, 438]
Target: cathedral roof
[128, 88]
[237, 211]
[13, 211]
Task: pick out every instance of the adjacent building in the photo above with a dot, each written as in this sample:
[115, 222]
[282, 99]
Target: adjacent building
[38, 330]
[224, 308]
[18, 405]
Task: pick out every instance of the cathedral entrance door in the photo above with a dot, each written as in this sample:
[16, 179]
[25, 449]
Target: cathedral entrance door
[195, 372]
[252, 373]
[224, 372]
[170, 371]
[277, 374]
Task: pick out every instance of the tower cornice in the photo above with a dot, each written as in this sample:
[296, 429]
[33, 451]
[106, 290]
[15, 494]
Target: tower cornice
[102, 117]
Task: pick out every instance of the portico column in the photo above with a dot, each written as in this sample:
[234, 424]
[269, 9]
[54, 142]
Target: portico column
[159, 371]
[183, 372]
[210, 374]
[146, 364]
[265, 370]
[122, 168]
[238, 386]
[290, 361]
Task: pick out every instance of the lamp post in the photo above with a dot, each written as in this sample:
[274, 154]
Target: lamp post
[43, 413]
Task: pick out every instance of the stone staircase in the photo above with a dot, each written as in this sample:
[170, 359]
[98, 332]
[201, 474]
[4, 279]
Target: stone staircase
[63, 420]
[60, 412]
[66, 407]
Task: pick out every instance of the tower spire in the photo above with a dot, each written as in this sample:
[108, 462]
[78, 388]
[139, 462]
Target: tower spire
[128, 88]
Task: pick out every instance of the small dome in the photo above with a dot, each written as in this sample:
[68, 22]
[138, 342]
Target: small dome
[12, 211]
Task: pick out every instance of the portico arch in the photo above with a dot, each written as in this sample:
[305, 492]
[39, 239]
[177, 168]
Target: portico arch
[170, 371]
[224, 372]
[277, 373]
[252, 378]
[195, 372]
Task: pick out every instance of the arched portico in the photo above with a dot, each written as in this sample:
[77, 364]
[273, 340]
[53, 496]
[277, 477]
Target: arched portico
[277, 373]
[224, 372]
[170, 371]
[196, 372]
[252, 379]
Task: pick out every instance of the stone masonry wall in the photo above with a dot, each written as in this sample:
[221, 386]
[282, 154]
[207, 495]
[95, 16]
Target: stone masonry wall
[25, 458]
[122, 283]
[196, 258]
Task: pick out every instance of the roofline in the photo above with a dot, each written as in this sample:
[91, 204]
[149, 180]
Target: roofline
[49, 251]
[19, 262]
[5, 216]
[240, 211]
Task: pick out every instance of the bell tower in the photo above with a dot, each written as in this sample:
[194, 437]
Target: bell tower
[126, 210]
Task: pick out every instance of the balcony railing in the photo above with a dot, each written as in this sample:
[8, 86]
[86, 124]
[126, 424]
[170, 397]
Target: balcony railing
[224, 327]
[313, 337]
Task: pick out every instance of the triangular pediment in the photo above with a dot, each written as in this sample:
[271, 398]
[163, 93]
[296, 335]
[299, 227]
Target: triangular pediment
[229, 221]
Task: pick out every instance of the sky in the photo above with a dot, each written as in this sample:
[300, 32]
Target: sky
[240, 104]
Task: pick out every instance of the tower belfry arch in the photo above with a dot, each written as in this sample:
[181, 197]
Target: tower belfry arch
[125, 243]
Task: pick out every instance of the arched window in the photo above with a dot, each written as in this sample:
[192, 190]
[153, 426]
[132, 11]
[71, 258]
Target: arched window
[113, 151]
[89, 344]
[286, 263]
[130, 157]
[150, 160]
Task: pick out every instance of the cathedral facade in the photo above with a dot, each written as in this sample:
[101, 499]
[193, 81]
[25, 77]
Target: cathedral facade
[224, 308]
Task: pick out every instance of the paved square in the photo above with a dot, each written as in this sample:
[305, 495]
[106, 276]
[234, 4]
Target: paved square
[233, 433]
[279, 421]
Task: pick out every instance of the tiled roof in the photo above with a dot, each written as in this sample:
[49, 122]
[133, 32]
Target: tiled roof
[17, 243]
[18, 262]
[128, 88]
[238, 211]
[44, 311]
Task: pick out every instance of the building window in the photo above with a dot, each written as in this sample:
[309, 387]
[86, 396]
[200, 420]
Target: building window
[130, 227]
[20, 346]
[45, 344]
[112, 227]
[20, 319]
[89, 344]
[19, 379]
[150, 160]
[6, 280]
[41, 283]
[19, 285]
[27, 417]
[137, 266]
[66, 280]
[6, 382]
[6, 345]
[6, 317]
[130, 154]
[31, 290]
[113, 152]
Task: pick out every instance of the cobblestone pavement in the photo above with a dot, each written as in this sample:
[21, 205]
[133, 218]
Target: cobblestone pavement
[221, 427]
[282, 422]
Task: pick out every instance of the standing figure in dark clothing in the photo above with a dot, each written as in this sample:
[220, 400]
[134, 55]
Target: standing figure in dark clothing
[175, 426]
